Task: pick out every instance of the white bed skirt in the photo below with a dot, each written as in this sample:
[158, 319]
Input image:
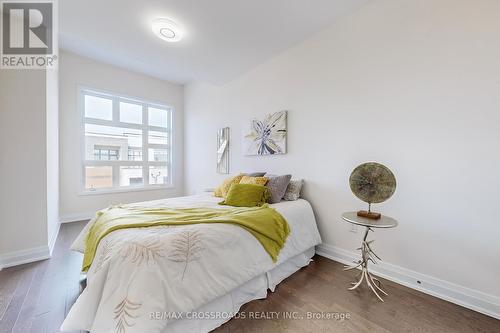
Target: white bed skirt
[231, 303]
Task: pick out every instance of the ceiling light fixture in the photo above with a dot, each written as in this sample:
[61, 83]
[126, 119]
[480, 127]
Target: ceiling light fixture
[167, 30]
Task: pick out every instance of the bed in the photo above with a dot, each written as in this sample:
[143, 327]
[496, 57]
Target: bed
[189, 278]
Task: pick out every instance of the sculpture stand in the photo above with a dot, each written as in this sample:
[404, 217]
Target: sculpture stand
[367, 254]
[369, 214]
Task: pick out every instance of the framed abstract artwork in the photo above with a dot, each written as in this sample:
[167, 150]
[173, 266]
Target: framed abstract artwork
[266, 136]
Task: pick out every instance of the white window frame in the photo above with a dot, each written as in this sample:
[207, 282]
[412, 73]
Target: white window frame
[144, 127]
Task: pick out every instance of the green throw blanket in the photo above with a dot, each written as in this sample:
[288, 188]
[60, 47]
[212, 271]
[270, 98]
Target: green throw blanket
[264, 223]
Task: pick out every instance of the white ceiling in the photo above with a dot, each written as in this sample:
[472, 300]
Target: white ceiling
[223, 39]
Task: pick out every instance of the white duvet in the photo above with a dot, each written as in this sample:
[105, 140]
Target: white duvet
[141, 276]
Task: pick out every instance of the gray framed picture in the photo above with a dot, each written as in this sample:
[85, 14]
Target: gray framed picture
[223, 150]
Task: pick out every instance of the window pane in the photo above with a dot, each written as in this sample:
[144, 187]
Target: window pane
[98, 177]
[160, 138]
[99, 108]
[111, 143]
[106, 153]
[158, 175]
[134, 154]
[158, 117]
[131, 175]
[157, 155]
[130, 113]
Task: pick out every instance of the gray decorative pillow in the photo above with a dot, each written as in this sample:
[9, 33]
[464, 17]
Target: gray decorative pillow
[277, 186]
[292, 192]
[255, 174]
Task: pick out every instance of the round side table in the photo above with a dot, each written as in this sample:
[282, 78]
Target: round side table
[367, 253]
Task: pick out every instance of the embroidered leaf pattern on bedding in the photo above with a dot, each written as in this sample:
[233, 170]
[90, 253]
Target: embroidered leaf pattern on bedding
[125, 313]
[104, 255]
[143, 250]
[187, 247]
[163, 230]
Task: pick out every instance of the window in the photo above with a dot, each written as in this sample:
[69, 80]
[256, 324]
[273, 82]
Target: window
[127, 142]
[134, 154]
[106, 153]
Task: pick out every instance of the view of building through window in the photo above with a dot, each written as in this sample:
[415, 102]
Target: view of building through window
[127, 142]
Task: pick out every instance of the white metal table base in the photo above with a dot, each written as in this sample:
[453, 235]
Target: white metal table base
[367, 254]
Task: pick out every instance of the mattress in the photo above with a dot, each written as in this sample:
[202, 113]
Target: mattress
[231, 258]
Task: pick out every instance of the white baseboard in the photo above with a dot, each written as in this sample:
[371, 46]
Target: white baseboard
[53, 238]
[24, 256]
[30, 255]
[463, 296]
[41, 252]
[76, 217]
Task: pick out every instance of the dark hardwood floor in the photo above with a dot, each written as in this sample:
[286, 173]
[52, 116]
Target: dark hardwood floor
[36, 297]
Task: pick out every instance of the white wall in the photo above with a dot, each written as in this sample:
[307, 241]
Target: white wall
[23, 164]
[411, 84]
[52, 142]
[52, 139]
[29, 207]
[76, 70]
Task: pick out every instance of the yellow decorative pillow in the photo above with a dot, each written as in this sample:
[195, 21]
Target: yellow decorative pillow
[254, 180]
[223, 188]
[246, 195]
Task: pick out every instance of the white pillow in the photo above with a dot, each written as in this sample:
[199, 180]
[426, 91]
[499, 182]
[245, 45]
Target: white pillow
[79, 243]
